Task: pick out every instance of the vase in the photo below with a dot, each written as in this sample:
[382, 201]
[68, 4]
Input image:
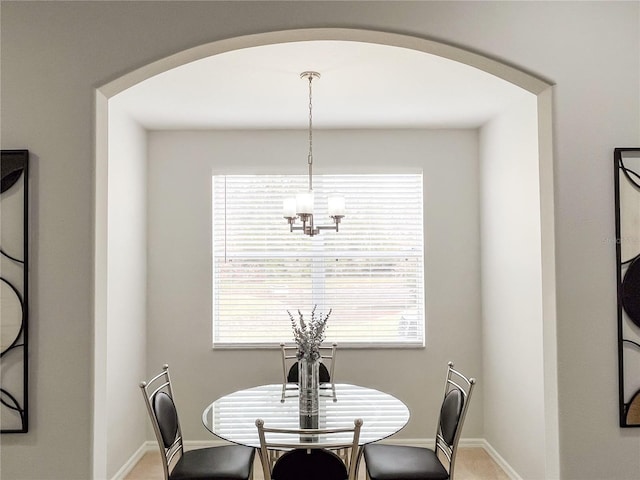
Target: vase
[309, 384]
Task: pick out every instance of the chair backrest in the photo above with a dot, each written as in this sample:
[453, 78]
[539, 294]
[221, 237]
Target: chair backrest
[309, 452]
[290, 366]
[158, 397]
[309, 465]
[457, 393]
[293, 375]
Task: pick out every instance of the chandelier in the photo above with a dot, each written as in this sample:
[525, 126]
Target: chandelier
[301, 206]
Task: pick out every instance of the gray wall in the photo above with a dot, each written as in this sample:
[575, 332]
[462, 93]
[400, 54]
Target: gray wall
[511, 276]
[55, 54]
[125, 418]
[180, 288]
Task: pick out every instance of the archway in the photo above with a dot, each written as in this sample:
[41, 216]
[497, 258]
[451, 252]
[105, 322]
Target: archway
[538, 87]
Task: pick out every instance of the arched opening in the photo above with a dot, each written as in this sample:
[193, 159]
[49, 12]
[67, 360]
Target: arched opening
[497, 303]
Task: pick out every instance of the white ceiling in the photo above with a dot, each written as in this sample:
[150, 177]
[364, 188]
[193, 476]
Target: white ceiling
[362, 85]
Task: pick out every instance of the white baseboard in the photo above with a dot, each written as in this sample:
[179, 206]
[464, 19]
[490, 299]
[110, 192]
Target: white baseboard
[502, 463]
[193, 444]
[463, 442]
[134, 459]
[472, 442]
[429, 442]
[417, 442]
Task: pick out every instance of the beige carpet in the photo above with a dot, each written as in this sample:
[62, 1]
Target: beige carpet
[471, 464]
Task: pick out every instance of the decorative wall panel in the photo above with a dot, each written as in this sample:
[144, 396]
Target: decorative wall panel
[14, 268]
[627, 202]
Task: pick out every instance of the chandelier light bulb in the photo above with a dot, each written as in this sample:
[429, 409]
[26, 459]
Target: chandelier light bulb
[304, 203]
[336, 206]
[289, 207]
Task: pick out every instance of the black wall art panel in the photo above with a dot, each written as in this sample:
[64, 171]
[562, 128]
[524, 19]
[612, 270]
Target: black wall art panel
[627, 202]
[14, 268]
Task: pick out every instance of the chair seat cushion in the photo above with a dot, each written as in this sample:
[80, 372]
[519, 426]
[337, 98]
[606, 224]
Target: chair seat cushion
[397, 462]
[228, 462]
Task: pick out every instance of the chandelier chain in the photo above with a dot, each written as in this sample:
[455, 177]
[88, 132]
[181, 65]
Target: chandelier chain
[310, 157]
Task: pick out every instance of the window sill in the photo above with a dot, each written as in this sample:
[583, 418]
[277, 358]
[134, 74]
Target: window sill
[341, 346]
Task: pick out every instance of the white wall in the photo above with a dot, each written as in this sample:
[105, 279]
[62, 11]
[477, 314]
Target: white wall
[54, 54]
[512, 289]
[179, 331]
[126, 416]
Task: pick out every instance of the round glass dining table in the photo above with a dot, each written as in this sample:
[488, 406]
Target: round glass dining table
[233, 416]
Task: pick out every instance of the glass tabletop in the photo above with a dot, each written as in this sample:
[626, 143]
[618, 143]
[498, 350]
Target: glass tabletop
[233, 416]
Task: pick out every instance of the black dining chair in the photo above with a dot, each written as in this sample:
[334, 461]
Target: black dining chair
[312, 459]
[290, 373]
[399, 462]
[227, 462]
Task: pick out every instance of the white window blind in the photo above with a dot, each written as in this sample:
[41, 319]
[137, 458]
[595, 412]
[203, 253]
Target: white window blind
[370, 273]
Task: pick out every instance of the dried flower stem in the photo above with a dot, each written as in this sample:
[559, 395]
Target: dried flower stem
[309, 335]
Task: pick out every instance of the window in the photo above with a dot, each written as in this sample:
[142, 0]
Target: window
[370, 273]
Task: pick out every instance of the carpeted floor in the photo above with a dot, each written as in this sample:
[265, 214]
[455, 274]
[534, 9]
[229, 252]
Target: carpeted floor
[472, 464]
